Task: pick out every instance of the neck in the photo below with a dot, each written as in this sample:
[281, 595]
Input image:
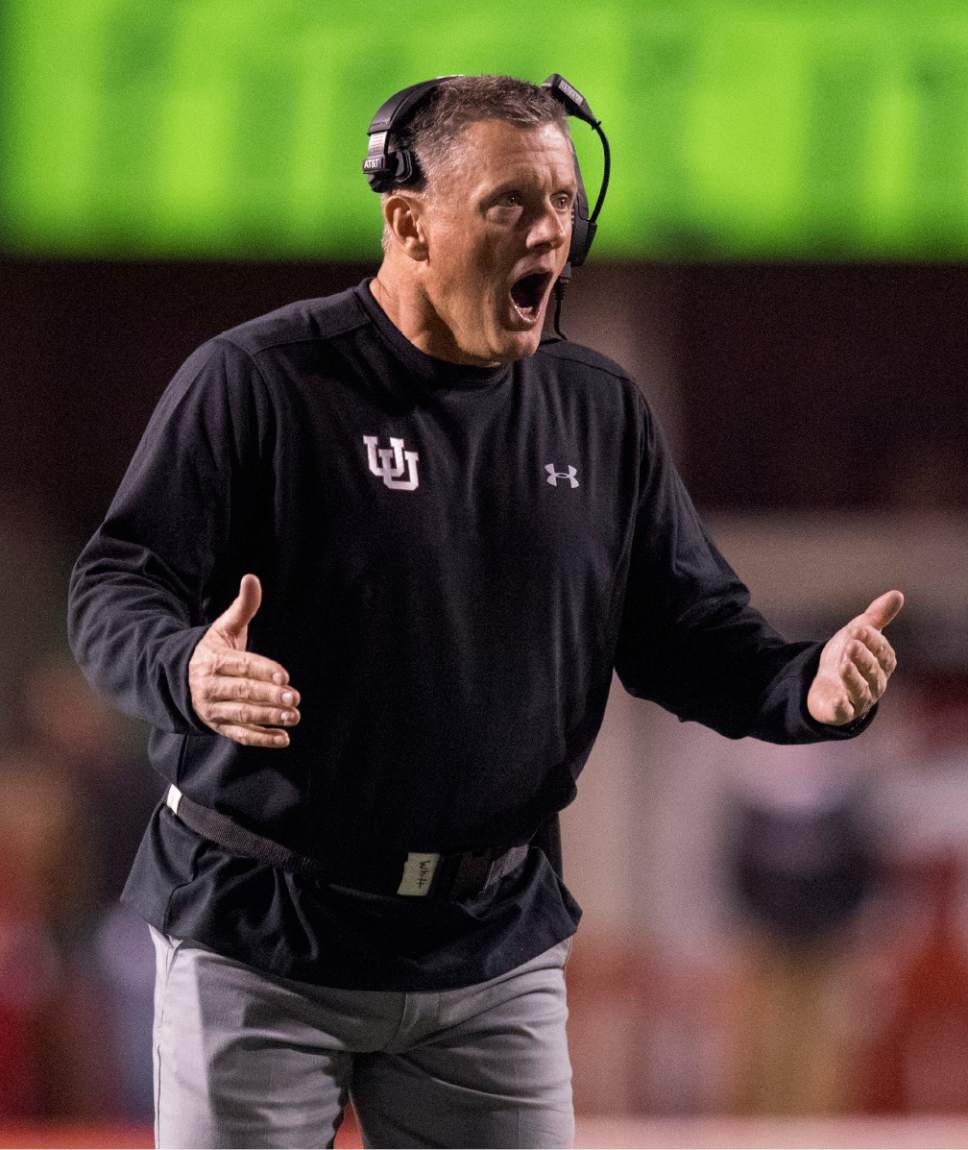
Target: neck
[412, 312]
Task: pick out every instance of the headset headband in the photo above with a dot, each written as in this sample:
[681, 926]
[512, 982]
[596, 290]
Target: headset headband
[386, 169]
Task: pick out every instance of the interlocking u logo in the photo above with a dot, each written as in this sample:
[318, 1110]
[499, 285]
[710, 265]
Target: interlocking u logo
[387, 463]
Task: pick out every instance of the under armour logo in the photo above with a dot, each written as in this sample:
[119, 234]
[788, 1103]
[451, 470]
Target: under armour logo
[388, 463]
[554, 476]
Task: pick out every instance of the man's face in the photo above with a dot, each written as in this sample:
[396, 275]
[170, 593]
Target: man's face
[498, 225]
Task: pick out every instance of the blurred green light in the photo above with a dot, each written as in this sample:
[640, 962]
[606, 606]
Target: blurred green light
[236, 128]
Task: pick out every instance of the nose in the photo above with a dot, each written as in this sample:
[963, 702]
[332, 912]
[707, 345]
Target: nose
[550, 228]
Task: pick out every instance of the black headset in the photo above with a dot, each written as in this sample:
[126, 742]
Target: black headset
[387, 166]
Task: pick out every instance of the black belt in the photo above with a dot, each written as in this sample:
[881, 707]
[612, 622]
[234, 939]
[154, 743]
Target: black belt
[414, 874]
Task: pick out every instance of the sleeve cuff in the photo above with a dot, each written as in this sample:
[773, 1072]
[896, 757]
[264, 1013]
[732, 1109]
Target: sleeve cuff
[828, 731]
[176, 656]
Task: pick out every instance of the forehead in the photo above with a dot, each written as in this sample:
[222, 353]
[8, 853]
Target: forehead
[494, 151]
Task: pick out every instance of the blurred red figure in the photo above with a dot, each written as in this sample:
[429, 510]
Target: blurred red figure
[42, 873]
[913, 1059]
[919, 1061]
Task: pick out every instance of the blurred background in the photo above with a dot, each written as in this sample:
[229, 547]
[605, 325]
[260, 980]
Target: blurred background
[775, 942]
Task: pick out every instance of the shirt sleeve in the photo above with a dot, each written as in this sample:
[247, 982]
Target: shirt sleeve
[690, 640]
[141, 590]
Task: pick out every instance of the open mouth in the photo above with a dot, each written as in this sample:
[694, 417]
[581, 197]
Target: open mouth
[527, 294]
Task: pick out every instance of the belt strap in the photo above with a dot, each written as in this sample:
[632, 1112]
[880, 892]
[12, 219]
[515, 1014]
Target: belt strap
[416, 874]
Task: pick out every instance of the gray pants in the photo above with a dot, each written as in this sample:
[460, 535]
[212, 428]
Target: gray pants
[246, 1059]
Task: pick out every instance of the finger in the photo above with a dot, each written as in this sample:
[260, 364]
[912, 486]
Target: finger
[883, 609]
[858, 690]
[875, 642]
[248, 715]
[866, 662]
[234, 688]
[241, 611]
[248, 665]
[254, 736]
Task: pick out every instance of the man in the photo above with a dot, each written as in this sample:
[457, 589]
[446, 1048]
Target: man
[437, 537]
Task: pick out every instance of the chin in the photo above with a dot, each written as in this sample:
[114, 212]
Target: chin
[518, 344]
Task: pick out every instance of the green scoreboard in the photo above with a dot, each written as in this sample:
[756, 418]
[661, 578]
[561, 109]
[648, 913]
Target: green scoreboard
[740, 129]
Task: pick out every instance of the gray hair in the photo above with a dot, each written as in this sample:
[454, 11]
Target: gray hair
[434, 131]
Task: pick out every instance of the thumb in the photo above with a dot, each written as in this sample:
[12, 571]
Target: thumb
[241, 611]
[884, 609]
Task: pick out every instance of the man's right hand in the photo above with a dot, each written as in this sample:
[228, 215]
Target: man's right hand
[241, 695]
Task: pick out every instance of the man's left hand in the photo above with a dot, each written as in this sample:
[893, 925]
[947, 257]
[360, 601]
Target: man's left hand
[855, 665]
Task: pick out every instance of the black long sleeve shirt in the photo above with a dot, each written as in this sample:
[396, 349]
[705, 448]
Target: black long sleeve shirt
[453, 561]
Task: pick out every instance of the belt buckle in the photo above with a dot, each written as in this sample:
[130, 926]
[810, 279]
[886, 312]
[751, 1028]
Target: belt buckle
[472, 874]
[447, 876]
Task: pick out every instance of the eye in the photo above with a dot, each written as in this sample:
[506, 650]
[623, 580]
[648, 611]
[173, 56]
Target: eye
[506, 206]
[563, 201]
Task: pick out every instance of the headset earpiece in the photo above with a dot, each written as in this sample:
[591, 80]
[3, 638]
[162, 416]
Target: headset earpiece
[386, 169]
[582, 228]
[583, 222]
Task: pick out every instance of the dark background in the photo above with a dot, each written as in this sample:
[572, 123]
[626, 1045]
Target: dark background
[808, 387]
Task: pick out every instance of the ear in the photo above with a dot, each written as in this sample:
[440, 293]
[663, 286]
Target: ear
[404, 216]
